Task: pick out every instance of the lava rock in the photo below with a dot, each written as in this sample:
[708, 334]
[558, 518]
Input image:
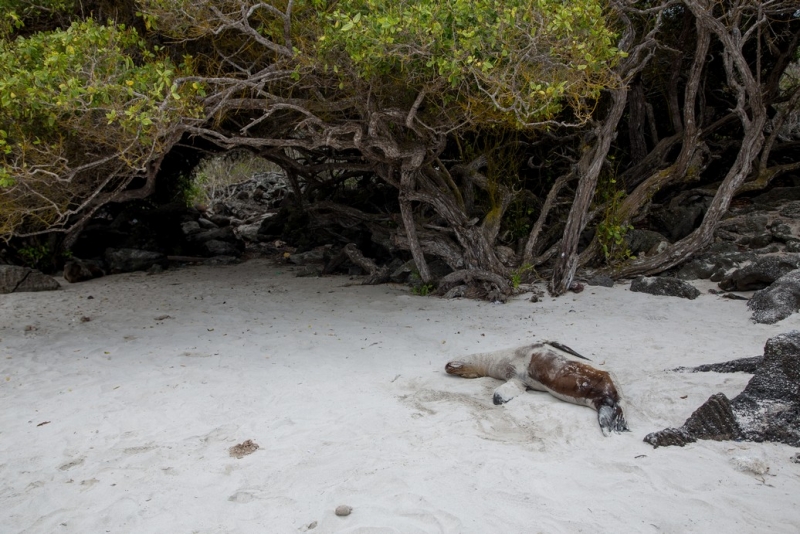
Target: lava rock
[77, 270]
[665, 286]
[190, 228]
[126, 260]
[317, 255]
[777, 196]
[761, 273]
[601, 280]
[742, 365]
[697, 269]
[16, 279]
[767, 410]
[680, 221]
[645, 241]
[778, 301]
[215, 247]
[791, 210]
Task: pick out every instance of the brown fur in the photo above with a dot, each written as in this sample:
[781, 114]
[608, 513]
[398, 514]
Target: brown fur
[547, 367]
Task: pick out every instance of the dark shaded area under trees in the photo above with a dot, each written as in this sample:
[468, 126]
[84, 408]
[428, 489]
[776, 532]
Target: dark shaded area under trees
[402, 162]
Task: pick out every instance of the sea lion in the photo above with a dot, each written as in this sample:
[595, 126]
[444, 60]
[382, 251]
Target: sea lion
[552, 367]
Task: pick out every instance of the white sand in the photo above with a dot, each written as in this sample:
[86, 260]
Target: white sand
[344, 390]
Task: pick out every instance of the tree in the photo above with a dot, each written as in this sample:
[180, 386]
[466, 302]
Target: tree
[441, 102]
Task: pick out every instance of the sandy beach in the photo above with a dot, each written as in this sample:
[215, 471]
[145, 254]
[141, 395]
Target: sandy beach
[121, 397]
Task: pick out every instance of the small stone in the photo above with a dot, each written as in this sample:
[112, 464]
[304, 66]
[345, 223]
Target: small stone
[243, 449]
[576, 287]
[312, 525]
[343, 510]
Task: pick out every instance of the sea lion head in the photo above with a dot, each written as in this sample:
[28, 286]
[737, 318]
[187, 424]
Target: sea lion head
[464, 370]
[610, 416]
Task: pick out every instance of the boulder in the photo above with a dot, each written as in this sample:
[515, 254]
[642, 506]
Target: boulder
[665, 286]
[402, 273]
[741, 365]
[782, 232]
[645, 241]
[218, 234]
[16, 279]
[222, 260]
[125, 260]
[761, 273]
[77, 270]
[248, 232]
[697, 269]
[601, 280]
[317, 255]
[767, 410]
[216, 247]
[778, 301]
[680, 221]
[205, 224]
[777, 196]
[791, 210]
[190, 228]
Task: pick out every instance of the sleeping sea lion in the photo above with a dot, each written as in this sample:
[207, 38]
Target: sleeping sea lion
[552, 367]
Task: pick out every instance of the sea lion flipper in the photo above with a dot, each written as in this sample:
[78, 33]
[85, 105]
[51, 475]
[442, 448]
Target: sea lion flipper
[568, 350]
[508, 391]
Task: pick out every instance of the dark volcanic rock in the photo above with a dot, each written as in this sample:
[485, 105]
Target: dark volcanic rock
[742, 365]
[215, 234]
[680, 221]
[77, 270]
[125, 260]
[662, 285]
[222, 260]
[778, 301]
[646, 241]
[215, 247]
[16, 279]
[777, 196]
[698, 268]
[791, 210]
[767, 410]
[760, 273]
[601, 280]
[716, 264]
[317, 255]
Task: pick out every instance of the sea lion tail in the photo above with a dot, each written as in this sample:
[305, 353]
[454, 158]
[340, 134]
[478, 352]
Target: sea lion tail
[611, 418]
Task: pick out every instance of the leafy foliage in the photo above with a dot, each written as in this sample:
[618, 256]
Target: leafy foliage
[81, 110]
[611, 231]
[516, 61]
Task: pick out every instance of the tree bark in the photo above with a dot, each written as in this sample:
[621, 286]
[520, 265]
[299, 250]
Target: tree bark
[589, 168]
[749, 98]
[406, 212]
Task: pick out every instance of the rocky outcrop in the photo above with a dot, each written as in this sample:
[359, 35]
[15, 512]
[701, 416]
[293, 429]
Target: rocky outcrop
[767, 410]
[16, 279]
[778, 301]
[645, 242]
[665, 286]
[127, 260]
[77, 270]
[742, 365]
[761, 273]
